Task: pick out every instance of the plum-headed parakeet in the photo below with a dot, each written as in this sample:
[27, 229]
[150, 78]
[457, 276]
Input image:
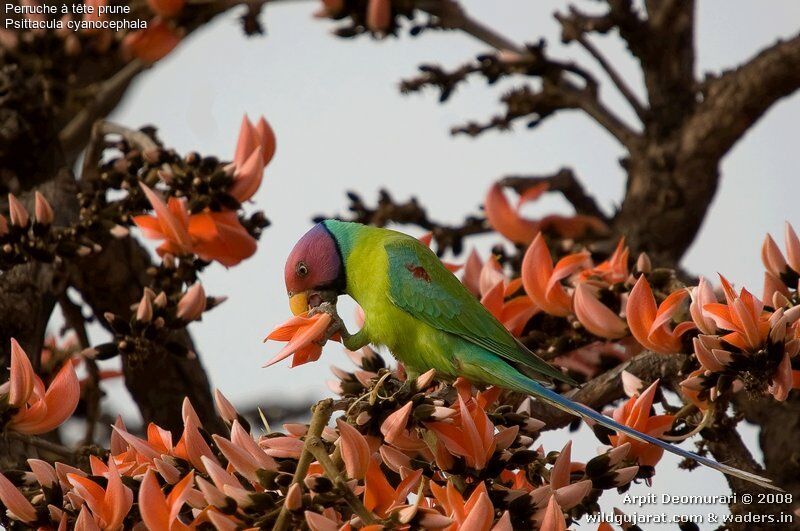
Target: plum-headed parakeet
[426, 317]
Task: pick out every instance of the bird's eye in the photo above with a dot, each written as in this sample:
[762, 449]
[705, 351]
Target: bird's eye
[301, 269]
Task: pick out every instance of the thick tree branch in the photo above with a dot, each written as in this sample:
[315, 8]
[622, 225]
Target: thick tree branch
[607, 387]
[107, 95]
[735, 100]
[30, 291]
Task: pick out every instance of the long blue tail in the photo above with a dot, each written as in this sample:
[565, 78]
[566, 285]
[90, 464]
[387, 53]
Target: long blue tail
[580, 410]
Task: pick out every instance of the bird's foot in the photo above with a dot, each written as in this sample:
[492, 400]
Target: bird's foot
[336, 325]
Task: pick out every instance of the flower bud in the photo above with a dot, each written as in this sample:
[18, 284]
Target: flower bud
[623, 476]
[144, 312]
[119, 232]
[224, 407]
[379, 15]
[617, 454]
[193, 303]
[42, 210]
[160, 300]
[16, 211]
[294, 498]
[425, 379]
[643, 264]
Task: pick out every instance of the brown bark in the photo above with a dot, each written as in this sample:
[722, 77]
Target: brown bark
[48, 104]
[673, 173]
[111, 282]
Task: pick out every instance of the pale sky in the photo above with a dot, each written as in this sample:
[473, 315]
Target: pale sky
[342, 124]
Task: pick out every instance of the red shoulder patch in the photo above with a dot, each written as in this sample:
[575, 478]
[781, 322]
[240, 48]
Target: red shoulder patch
[418, 272]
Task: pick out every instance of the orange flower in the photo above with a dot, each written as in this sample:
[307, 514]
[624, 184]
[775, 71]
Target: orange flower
[649, 323]
[752, 330]
[636, 413]
[244, 454]
[395, 433]
[472, 273]
[612, 271]
[17, 505]
[702, 295]
[108, 505]
[379, 495]
[166, 8]
[151, 44]
[470, 434]
[743, 316]
[494, 287]
[160, 512]
[220, 236]
[507, 220]
[692, 386]
[774, 260]
[595, 316]
[38, 410]
[553, 517]
[211, 235]
[355, 450]
[542, 281]
[475, 514]
[514, 313]
[254, 150]
[302, 333]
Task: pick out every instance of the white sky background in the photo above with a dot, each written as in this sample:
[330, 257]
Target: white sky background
[342, 124]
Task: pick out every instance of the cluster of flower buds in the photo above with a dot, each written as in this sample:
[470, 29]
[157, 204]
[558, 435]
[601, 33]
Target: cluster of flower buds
[25, 237]
[152, 322]
[377, 17]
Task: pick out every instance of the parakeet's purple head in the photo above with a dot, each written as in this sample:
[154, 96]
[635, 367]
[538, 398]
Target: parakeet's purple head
[314, 271]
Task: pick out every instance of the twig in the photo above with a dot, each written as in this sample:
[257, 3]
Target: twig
[615, 77]
[43, 444]
[319, 451]
[453, 16]
[575, 26]
[106, 96]
[321, 415]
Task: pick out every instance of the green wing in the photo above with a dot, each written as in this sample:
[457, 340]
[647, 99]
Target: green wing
[420, 285]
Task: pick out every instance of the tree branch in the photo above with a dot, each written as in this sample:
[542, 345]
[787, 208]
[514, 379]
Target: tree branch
[574, 28]
[107, 96]
[453, 16]
[319, 419]
[563, 181]
[735, 100]
[317, 449]
[607, 387]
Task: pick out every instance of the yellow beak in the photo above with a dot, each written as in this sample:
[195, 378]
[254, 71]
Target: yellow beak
[298, 303]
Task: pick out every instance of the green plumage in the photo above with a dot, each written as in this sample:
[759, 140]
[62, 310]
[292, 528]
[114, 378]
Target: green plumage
[428, 319]
[424, 314]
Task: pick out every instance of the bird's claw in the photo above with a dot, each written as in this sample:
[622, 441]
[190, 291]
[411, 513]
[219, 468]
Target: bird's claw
[336, 325]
